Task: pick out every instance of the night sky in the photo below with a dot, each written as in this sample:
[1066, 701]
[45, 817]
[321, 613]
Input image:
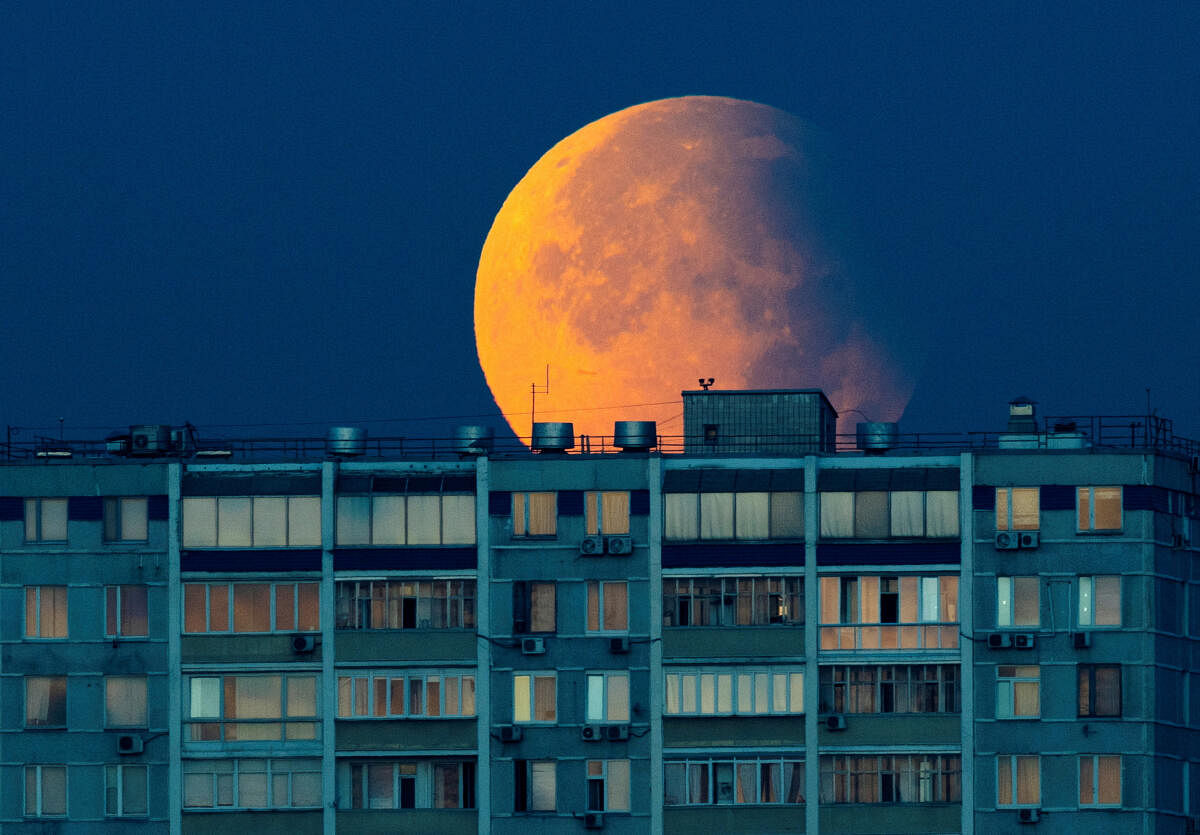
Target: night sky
[266, 219]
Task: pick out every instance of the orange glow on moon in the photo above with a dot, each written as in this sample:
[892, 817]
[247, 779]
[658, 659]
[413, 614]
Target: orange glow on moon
[666, 242]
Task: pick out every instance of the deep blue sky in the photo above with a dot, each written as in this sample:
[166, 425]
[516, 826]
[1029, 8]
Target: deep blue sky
[259, 214]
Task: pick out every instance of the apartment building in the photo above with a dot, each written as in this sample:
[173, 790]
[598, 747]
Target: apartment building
[750, 629]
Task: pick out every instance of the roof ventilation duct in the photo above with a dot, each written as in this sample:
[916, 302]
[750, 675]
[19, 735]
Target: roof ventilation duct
[346, 441]
[635, 435]
[473, 440]
[877, 437]
[553, 437]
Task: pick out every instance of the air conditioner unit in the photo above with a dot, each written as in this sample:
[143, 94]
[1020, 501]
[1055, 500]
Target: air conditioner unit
[593, 820]
[999, 640]
[533, 646]
[618, 646]
[130, 745]
[1007, 541]
[304, 643]
[1024, 640]
[1028, 539]
[1082, 640]
[510, 733]
[591, 733]
[836, 722]
[591, 546]
[616, 733]
[1028, 815]
[149, 439]
[619, 545]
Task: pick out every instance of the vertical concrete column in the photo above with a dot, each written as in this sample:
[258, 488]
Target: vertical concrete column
[174, 654]
[329, 471]
[483, 648]
[812, 677]
[966, 643]
[654, 564]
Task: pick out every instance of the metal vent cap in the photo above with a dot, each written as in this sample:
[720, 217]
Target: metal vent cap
[346, 440]
[553, 437]
[635, 435]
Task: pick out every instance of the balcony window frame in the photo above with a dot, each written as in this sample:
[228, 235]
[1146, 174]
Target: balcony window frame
[734, 690]
[353, 610]
[738, 602]
[239, 767]
[198, 727]
[696, 780]
[291, 529]
[301, 590]
[845, 688]
[375, 690]
[880, 779]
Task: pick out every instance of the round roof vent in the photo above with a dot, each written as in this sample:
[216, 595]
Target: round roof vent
[877, 437]
[635, 435]
[553, 437]
[346, 440]
[474, 440]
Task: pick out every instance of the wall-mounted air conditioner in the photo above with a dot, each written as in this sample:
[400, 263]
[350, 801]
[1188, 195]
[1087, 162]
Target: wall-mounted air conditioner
[591, 546]
[591, 733]
[836, 722]
[593, 820]
[618, 646]
[616, 733]
[510, 733]
[303, 644]
[1007, 541]
[1028, 815]
[1028, 539]
[1024, 640]
[1082, 640]
[130, 745]
[999, 640]
[619, 545]
[533, 646]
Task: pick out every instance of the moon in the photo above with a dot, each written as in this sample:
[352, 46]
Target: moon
[666, 242]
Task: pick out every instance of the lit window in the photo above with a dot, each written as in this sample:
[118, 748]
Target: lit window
[907, 612]
[725, 691]
[126, 519]
[608, 697]
[534, 697]
[534, 785]
[1017, 508]
[907, 778]
[45, 520]
[252, 784]
[533, 607]
[1100, 780]
[696, 782]
[1018, 692]
[608, 785]
[45, 791]
[607, 606]
[1017, 601]
[1099, 509]
[535, 514]
[406, 695]
[125, 702]
[1100, 601]
[607, 512]
[126, 612]
[837, 515]
[733, 601]
[1099, 690]
[45, 611]
[879, 514]
[742, 515]
[251, 708]
[1018, 780]
[251, 521]
[406, 604]
[406, 784]
[45, 701]
[125, 791]
[890, 688]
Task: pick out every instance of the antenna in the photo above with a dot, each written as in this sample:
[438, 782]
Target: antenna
[706, 384]
[534, 391]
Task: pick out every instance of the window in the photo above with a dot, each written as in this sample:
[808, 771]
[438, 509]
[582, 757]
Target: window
[906, 778]
[406, 784]
[907, 612]
[45, 701]
[45, 791]
[251, 521]
[534, 785]
[251, 708]
[1017, 601]
[534, 697]
[45, 611]
[607, 512]
[741, 515]
[1100, 601]
[608, 697]
[406, 604]
[1017, 508]
[608, 785]
[696, 782]
[1099, 509]
[1100, 780]
[533, 607]
[1018, 692]
[399, 519]
[1099, 689]
[726, 691]
[406, 694]
[890, 688]
[607, 606]
[45, 520]
[126, 612]
[880, 514]
[252, 784]
[535, 514]
[733, 601]
[251, 607]
[125, 702]
[125, 790]
[1018, 780]
[126, 519]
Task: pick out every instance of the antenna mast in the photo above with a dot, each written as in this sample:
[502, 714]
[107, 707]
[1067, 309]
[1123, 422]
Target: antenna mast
[534, 391]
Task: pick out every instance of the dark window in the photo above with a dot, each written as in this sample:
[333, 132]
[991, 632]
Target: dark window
[1099, 690]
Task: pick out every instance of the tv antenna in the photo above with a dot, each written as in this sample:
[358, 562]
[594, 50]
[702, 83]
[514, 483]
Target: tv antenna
[706, 384]
[534, 391]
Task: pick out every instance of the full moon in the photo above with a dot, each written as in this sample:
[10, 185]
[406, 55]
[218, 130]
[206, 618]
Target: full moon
[667, 242]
